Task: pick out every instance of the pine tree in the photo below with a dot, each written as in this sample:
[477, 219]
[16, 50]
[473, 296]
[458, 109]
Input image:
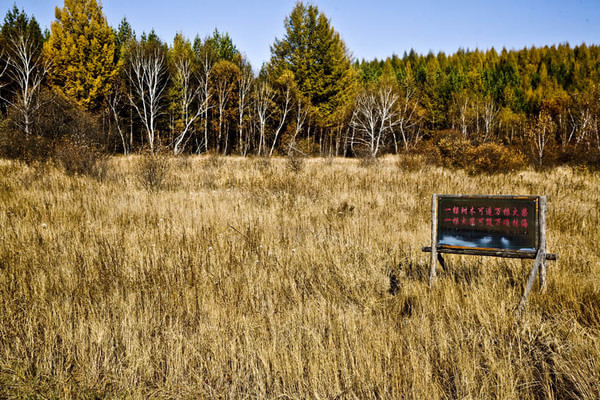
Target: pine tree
[82, 49]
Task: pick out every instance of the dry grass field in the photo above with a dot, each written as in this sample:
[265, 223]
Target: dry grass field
[256, 278]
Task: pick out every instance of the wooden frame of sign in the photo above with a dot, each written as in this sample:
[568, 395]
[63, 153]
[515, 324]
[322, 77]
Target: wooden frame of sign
[497, 226]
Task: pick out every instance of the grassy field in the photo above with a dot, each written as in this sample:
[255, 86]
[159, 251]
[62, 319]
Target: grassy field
[255, 278]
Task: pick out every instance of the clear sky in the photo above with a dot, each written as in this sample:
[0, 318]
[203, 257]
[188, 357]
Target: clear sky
[371, 29]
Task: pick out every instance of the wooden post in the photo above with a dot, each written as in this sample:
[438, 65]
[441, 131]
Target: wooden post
[542, 245]
[433, 259]
[536, 265]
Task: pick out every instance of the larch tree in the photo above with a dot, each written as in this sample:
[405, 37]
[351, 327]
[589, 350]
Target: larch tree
[81, 48]
[223, 46]
[318, 59]
[225, 80]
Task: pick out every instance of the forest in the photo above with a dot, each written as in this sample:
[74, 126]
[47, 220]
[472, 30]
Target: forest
[176, 223]
[84, 88]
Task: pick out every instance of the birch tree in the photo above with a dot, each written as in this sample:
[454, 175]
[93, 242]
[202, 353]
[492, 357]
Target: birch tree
[286, 85]
[302, 110]
[374, 117]
[263, 103]
[540, 134]
[191, 100]
[147, 75]
[115, 102]
[409, 119]
[206, 56]
[490, 112]
[26, 69]
[246, 80]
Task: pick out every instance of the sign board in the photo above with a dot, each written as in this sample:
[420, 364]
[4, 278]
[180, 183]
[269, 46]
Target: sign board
[482, 224]
[499, 226]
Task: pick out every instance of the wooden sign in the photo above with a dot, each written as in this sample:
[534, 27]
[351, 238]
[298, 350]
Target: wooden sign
[506, 224]
[498, 226]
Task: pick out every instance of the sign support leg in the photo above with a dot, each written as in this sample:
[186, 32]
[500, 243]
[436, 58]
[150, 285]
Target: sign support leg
[434, 253]
[442, 262]
[539, 260]
[542, 246]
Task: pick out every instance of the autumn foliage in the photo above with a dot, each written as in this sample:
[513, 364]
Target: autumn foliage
[511, 108]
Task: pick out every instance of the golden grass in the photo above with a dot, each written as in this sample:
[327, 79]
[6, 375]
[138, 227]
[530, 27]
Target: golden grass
[246, 278]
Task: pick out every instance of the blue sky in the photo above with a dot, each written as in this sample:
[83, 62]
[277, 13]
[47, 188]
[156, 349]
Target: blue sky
[371, 29]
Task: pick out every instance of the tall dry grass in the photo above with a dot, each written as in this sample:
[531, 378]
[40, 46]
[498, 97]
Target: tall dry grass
[246, 278]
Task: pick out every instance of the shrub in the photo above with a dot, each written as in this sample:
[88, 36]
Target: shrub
[368, 161]
[62, 132]
[429, 152]
[453, 148]
[17, 146]
[295, 163]
[493, 158]
[214, 160]
[582, 155]
[153, 171]
[80, 159]
[410, 162]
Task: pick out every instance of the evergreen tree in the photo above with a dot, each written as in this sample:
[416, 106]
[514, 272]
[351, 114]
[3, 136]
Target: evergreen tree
[82, 49]
[16, 23]
[123, 36]
[316, 55]
[223, 46]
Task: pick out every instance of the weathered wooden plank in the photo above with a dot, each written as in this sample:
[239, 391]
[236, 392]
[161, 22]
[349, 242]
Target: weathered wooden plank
[491, 253]
[485, 196]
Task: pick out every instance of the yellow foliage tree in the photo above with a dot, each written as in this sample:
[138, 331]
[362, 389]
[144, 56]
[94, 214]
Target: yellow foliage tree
[81, 48]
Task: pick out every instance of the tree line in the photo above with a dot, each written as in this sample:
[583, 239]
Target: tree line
[86, 83]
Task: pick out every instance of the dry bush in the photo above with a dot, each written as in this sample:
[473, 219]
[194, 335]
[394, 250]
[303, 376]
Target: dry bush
[263, 164]
[153, 171]
[429, 152]
[454, 150]
[295, 163]
[492, 158]
[61, 132]
[214, 160]
[81, 159]
[15, 145]
[581, 156]
[411, 162]
[282, 285]
[368, 161]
